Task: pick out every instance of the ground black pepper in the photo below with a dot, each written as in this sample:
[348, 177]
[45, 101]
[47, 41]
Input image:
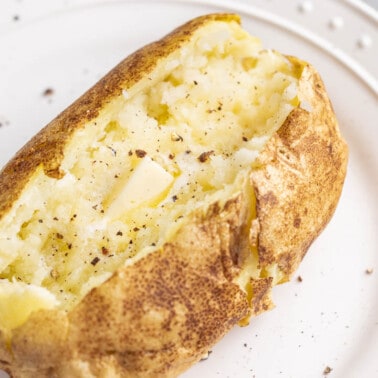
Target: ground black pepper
[140, 153]
[205, 156]
[95, 261]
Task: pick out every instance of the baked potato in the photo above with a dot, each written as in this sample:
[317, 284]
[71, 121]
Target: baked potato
[158, 210]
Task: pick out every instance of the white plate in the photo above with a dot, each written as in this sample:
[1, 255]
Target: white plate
[331, 317]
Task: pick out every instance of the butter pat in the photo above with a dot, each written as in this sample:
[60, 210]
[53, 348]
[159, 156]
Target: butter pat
[148, 181]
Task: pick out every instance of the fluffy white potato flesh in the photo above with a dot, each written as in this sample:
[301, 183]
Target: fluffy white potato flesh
[180, 139]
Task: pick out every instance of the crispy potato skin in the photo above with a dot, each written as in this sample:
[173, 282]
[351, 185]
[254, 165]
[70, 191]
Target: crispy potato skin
[154, 318]
[160, 315]
[301, 176]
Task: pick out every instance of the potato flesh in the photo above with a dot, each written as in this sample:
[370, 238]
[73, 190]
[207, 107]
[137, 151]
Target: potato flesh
[201, 119]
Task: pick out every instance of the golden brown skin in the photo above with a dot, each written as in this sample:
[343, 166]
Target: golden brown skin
[159, 316]
[302, 173]
[154, 318]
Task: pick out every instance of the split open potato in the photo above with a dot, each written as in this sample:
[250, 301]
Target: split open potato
[158, 210]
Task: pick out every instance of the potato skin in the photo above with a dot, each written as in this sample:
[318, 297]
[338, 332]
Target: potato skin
[154, 318]
[302, 172]
[160, 315]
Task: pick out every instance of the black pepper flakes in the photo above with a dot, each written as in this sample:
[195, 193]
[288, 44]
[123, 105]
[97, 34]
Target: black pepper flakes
[174, 198]
[119, 233]
[140, 153]
[205, 156]
[95, 261]
[104, 251]
[135, 229]
[245, 139]
[114, 152]
[327, 370]
[59, 236]
[299, 279]
[48, 92]
[171, 156]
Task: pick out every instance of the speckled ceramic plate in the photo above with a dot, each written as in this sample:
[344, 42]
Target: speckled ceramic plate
[325, 323]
